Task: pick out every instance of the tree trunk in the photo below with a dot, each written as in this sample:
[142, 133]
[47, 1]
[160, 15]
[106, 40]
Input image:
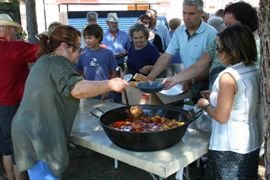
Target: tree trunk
[264, 33]
[31, 20]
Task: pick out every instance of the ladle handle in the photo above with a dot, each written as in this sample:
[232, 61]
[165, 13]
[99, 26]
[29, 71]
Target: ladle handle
[126, 97]
[195, 116]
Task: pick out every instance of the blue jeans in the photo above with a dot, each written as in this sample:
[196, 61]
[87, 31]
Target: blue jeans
[42, 171]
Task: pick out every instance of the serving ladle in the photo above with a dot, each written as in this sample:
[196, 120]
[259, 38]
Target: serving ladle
[127, 77]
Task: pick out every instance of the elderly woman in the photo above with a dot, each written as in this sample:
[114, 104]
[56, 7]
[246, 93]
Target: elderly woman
[143, 54]
[14, 58]
[43, 122]
[153, 37]
[236, 136]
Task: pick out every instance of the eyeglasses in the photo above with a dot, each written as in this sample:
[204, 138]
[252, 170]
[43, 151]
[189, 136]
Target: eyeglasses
[219, 49]
[75, 47]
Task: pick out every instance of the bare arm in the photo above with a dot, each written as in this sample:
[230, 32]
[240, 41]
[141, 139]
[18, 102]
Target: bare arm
[86, 89]
[159, 66]
[146, 69]
[199, 69]
[196, 70]
[227, 91]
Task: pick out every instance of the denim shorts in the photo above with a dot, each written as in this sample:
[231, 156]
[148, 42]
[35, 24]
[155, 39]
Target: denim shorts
[6, 115]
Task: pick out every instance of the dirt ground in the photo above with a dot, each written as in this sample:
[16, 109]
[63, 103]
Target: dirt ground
[89, 165]
[95, 166]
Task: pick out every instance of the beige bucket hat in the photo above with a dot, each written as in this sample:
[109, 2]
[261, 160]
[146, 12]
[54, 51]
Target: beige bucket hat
[112, 17]
[6, 20]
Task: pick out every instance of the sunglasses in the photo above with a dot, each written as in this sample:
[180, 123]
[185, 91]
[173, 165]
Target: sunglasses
[219, 49]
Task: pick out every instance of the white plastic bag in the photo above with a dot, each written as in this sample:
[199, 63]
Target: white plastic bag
[204, 122]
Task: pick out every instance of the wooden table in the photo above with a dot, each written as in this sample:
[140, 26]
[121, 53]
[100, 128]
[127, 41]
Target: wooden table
[87, 132]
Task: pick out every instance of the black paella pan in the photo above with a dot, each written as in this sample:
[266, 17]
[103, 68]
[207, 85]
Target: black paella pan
[146, 141]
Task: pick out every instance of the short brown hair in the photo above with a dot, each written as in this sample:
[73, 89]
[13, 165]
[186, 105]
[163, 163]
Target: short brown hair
[174, 23]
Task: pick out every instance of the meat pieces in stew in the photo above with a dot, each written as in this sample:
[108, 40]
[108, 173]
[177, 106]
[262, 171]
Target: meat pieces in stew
[143, 123]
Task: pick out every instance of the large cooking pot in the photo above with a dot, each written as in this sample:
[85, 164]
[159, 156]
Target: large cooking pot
[146, 141]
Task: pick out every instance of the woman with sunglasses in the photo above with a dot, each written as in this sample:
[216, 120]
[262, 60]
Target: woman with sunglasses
[233, 105]
[43, 122]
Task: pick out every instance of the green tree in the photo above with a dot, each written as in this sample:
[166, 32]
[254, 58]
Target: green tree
[11, 8]
[264, 33]
[31, 20]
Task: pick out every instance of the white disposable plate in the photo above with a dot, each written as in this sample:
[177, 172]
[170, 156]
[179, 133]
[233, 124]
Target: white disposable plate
[175, 90]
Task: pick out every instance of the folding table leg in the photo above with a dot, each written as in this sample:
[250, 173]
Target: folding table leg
[187, 173]
[115, 163]
[154, 177]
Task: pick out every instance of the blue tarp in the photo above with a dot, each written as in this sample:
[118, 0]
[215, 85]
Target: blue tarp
[124, 23]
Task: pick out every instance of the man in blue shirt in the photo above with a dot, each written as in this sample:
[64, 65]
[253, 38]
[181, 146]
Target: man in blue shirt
[190, 40]
[115, 39]
[191, 45]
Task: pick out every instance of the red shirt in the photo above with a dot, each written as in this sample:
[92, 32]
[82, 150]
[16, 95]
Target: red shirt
[14, 59]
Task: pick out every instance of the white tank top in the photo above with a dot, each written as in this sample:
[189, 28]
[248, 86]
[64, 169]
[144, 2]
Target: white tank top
[242, 132]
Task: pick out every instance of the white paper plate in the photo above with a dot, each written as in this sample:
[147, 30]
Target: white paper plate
[175, 90]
